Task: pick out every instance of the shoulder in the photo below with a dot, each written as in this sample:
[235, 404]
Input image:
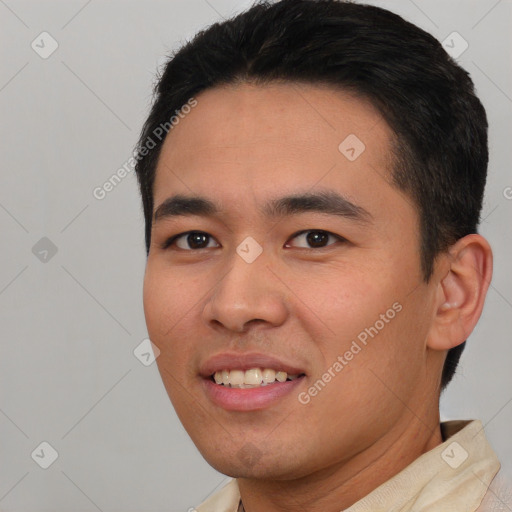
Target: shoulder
[498, 497]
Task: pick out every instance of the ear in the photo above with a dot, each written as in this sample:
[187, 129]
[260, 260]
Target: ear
[465, 275]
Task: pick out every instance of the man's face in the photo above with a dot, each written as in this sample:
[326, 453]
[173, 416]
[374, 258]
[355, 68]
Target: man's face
[325, 285]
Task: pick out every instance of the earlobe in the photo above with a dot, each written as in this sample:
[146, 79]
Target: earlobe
[461, 291]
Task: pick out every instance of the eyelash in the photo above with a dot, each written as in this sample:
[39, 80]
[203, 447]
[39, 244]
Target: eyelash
[170, 241]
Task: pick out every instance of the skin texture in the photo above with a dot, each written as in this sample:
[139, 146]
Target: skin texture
[240, 146]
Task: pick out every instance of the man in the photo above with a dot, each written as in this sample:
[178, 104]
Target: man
[312, 175]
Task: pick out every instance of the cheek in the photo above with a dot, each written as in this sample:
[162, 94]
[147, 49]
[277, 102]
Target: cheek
[166, 304]
[345, 300]
[367, 314]
[157, 304]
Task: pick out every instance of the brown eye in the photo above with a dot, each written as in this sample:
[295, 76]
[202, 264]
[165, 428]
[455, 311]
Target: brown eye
[316, 238]
[191, 240]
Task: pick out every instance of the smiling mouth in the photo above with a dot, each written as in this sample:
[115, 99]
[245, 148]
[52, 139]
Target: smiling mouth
[251, 378]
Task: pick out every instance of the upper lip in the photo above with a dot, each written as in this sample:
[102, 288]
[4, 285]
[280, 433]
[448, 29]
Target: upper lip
[246, 361]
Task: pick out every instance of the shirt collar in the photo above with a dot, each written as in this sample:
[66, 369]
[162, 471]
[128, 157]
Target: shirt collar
[454, 475]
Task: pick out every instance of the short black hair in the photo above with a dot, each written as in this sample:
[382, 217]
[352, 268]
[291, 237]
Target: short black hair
[439, 125]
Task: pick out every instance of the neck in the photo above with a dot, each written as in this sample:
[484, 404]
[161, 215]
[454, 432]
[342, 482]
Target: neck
[339, 486]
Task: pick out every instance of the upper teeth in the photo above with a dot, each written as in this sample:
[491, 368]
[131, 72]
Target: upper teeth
[250, 378]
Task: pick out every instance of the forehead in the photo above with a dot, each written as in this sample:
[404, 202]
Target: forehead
[314, 114]
[250, 139]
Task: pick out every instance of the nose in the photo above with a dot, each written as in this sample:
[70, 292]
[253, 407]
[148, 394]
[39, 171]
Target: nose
[246, 292]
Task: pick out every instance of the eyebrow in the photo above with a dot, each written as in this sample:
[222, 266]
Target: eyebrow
[328, 202]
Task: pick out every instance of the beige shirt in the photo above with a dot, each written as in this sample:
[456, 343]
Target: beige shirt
[452, 477]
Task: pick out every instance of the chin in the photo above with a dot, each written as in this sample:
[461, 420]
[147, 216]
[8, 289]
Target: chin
[250, 462]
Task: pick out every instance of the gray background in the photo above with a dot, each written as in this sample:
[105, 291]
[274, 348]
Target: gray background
[70, 323]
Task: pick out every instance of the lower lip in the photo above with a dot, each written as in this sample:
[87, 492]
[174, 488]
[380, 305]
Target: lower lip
[249, 399]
